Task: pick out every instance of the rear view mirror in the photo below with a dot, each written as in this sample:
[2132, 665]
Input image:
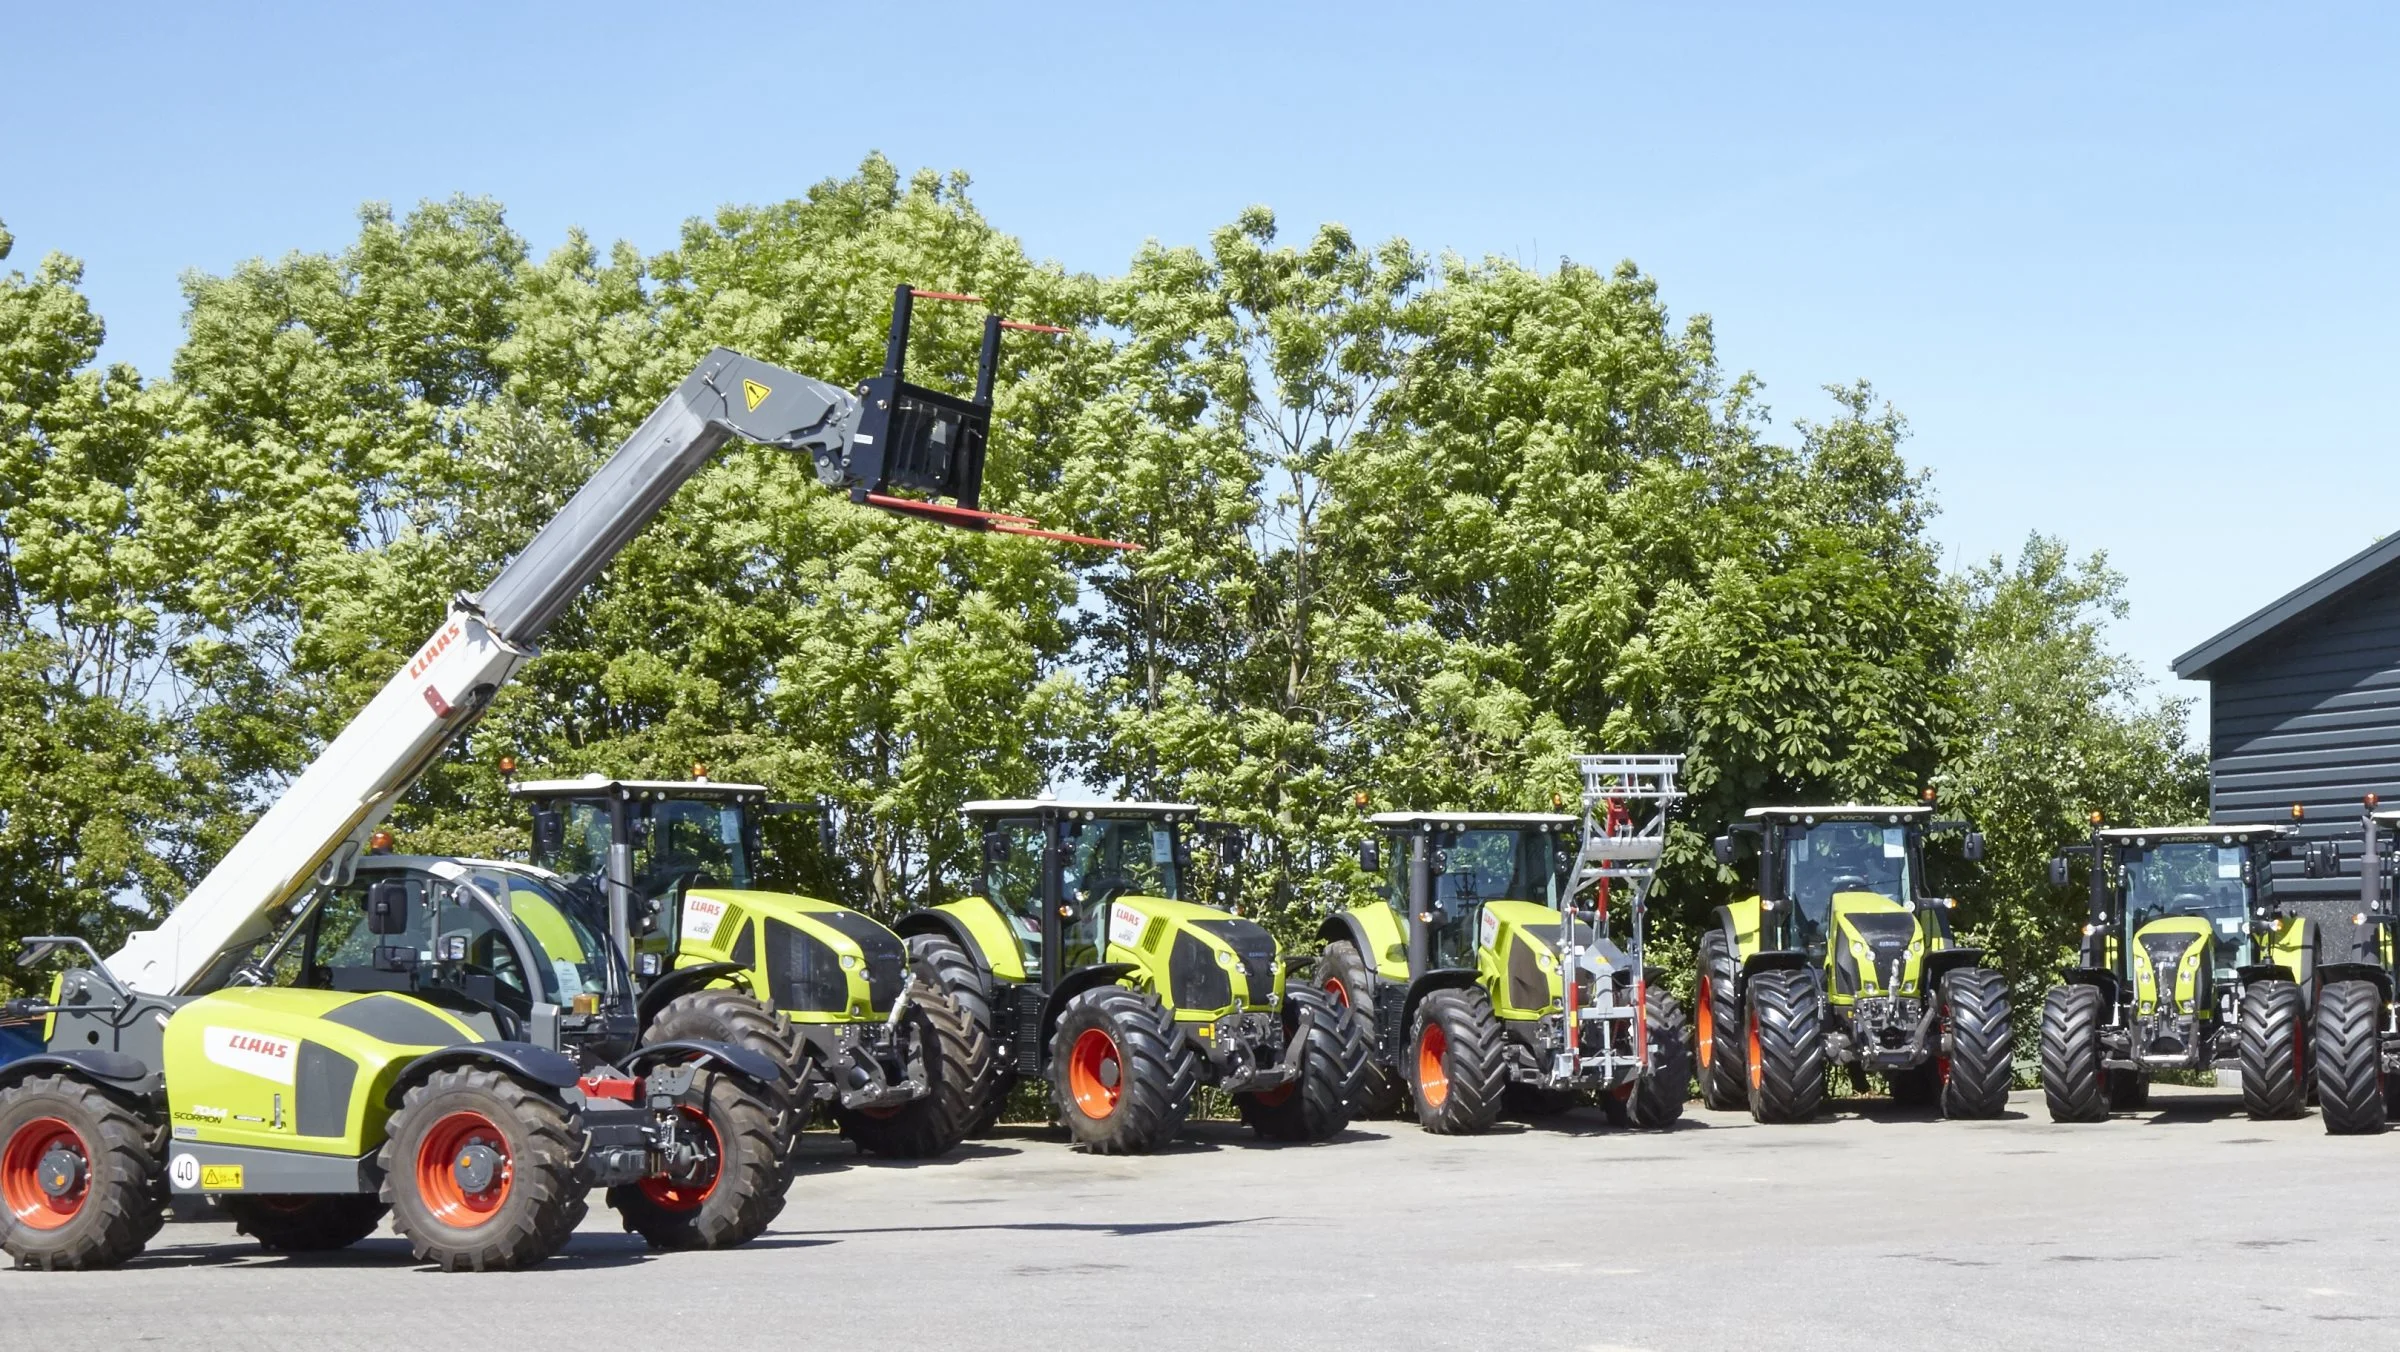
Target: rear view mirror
[387, 907]
[2058, 871]
[549, 831]
[825, 836]
[1237, 844]
[1723, 845]
[1370, 855]
[995, 849]
[2322, 859]
[1974, 847]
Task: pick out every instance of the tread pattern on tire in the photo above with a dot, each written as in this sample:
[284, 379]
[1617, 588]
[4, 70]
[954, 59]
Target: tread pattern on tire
[939, 959]
[1317, 1108]
[2273, 1061]
[1471, 1060]
[1722, 1083]
[127, 1199]
[1158, 1073]
[735, 1017]
[2349, 1058]
[1382, 1091]
[1982, 1043]
[542, 1173]
[1787, 1081]
[2073, 1084]
[1658, 1097]
[957, 1055]
[751, 1177]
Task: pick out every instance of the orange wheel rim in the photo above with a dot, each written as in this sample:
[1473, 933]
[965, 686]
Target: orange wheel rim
[1433, 1076]
[1337, 992]
[1707, 1016]
[45, 1174]
[1095, 1073]
[463, 1142]
[674, 1196]
[1758, 1060]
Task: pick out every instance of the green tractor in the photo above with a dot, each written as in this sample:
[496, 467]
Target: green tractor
[1486, 969]
[1840, 959]
[435, 1038]
[1093, 969]
[823, 990]
[2356, 1029]
[2187, 963]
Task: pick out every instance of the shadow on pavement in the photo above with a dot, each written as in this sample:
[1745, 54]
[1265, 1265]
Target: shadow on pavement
[1119, 1228]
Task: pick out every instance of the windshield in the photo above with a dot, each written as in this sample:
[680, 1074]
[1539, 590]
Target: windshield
[571, 954]
[1121, 856]
[2184, 877]
[695, 841]
[584, 837]
[567, 958]
[1501, 863]
[1840, 856]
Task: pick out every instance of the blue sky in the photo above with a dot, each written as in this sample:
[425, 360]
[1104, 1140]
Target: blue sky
[2128, 269]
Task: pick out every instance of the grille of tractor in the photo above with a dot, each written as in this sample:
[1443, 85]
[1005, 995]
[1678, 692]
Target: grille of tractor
[1888, 937]
[1194, 976]
[1254, 946]
[886, 953]
[1528, 984]
[804, 971]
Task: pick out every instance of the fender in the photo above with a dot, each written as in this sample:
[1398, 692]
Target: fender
[688, 1050]
[1342, 925]
[2330, 972]
[1439, 979]
[2265, 971]
[949, 927]
[679, 983]
[2100, 977]
[1733, 941]
[524, 1060]
[1073, 984]
[1942, 961]
[116, 1070]
[1773, 960]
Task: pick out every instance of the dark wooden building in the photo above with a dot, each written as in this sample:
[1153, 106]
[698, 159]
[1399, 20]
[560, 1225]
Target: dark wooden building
[2304, 707]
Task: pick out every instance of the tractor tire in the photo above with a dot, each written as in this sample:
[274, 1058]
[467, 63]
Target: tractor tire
[2074, 1084]
[1976, 1075]
[2273, 1049]
[1786, 1046]
[516, 1206]
[2349, 1059]
[939, 959]
[738, 1196]
[740, 1019]
[1121, 1073]
[1455, 1072]
[957, 1055]
[1717, 1042]
[306, 1222]
[1316, 1107]
[1657, 1100]
[1343, 974]
[112, 1197]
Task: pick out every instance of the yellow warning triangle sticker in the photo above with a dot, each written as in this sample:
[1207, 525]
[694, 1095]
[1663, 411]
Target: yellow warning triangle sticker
[754, 394]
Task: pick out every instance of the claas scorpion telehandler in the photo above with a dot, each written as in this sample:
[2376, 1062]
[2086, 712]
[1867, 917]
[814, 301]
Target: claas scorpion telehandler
[1842, 959]
[1487, 971]
[1093, 967]
[405, 1067]
[2186, 963]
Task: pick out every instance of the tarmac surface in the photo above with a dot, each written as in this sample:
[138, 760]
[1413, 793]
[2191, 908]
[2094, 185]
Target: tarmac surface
[2188, 1227]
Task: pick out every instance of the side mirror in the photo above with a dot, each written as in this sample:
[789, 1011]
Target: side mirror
[387, 907]
[1370, 855]
[825, 836]
[549, 831]
[2058, 871]
[1974, 847]
[995, 849]
[1236, 847]
[1723, 845]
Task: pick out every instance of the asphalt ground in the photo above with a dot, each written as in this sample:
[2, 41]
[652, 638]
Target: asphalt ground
[2185, 1227]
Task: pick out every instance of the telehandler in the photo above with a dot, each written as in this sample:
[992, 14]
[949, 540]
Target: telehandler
[1841, 959]
[2187, 963]
[1093, 969]
[1486, 969]
[823, 990]
[411, 1072]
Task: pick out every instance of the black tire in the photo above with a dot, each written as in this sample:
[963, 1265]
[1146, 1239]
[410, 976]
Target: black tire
[939, 959]
[1657, 1100]
[120, 1199]
[306, 1222]
[955, 1054]
[2074, 1084]
[1786, 1046]
[2349, 1055]
[533, 1214]
[743, 1193]
[1982, 1043]
[1121, 1073]
[1454, 1066]
[2273, 1051]
[740, 1019]
[1343, 973]
[1317, 1106]
[1718, 1043]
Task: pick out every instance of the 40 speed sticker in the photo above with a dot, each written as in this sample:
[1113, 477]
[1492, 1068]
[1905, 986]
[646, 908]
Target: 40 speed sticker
[184, 1172]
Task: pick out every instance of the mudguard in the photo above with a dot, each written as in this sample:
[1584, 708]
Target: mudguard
[1342, 925]
[522, 1059]
[2330, 972]
[1076, 983]
[679, 1051]
[681, 982]
[950, 927]
[1773, 960]
[117, 1069]
[1943, 961]
[1440, 978]
[976, 925]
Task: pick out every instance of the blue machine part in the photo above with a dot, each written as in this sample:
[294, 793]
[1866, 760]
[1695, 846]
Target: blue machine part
[19, 1040]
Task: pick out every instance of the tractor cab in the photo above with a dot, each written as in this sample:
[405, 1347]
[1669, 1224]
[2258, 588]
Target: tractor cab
[2180, 911]
[1845, 886]
[663, 839]
[1482, 871]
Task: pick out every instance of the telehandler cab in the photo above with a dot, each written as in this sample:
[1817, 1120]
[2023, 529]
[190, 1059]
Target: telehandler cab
[2187, 963]
[1092, 970]
[2355, 1034]
[823, 990]
[1840, 959]
[1486, 970]
[410, 1070]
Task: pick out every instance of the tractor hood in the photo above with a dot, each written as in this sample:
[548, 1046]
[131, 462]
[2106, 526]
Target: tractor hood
[814, 960]
[1201, 959]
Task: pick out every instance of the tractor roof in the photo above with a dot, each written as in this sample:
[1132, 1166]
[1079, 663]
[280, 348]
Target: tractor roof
[1103, 807]
[1844, 811]
[1475, 818]
[657, 788]
[2219, 832]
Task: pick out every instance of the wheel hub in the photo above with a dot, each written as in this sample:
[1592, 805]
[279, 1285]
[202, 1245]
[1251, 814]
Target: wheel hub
[476, 1168]
[61, 1172]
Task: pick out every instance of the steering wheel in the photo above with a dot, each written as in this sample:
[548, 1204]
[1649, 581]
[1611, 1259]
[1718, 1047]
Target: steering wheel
[1103, 888]
[1851, 882]
[2187, 902]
